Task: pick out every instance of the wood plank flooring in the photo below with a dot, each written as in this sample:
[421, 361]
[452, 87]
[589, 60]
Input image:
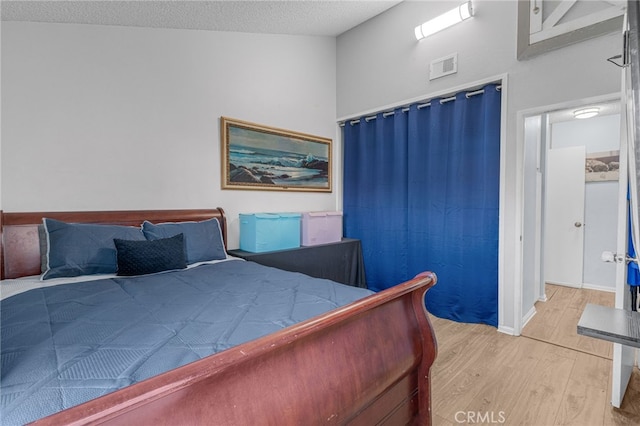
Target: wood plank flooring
[556, 319]
[547, 376]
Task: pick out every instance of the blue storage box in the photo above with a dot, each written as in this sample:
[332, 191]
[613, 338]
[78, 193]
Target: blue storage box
[260, 232]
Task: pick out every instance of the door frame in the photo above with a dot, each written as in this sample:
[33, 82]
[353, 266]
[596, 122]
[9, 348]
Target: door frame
[523, 203]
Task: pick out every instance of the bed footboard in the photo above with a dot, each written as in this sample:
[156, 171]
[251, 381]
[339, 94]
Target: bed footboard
[363, 364]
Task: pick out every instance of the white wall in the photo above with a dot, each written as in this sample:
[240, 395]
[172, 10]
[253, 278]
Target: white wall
[110, 118]
[596, 134]
[0, 119]
[380, 63]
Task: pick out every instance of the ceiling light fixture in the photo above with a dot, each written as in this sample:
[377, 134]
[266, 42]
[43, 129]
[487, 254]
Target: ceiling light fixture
[452, 17]
[586, 112]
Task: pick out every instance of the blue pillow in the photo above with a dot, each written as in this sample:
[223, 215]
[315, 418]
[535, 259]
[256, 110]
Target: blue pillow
[203, 240]
[75, 249]
[147, 257]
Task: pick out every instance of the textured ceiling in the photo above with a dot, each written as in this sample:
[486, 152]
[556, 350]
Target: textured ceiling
[297, 17]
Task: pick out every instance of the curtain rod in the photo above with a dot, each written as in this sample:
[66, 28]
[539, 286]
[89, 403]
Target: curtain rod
[420, 106]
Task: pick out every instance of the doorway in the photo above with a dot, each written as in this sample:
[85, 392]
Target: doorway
[591, 227]
[599, 137]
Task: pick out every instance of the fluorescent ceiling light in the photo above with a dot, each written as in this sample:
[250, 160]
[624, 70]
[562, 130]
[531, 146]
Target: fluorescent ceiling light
[452, 17]
[586, 112]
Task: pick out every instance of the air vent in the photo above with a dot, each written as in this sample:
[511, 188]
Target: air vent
[443, 66]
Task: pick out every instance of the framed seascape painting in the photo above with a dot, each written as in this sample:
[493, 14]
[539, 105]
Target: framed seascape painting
[255, 156]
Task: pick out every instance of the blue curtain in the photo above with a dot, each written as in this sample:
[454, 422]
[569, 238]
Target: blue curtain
[421, 191]
[375, 195]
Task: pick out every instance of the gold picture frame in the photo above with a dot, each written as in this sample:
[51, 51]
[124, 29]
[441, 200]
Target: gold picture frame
[259, 157]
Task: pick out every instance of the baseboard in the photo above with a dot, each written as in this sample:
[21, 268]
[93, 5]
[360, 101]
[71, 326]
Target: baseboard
[528, 316]
[598, 287]
[585, 285]
[507, 330]
[564, 284]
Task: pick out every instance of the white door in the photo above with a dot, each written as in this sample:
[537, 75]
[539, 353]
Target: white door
[564, 216]
[623, 356]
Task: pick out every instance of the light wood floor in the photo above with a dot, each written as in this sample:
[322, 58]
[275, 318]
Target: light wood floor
[547, 376]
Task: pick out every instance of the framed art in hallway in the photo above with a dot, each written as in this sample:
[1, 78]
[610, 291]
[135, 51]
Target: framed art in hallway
[259, 157]
[602, 166]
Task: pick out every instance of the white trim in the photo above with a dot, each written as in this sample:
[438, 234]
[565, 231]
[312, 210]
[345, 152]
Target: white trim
[338, 167]
[537, 246]
[532, 312]
[518, 272]
[598, 287]
[507, 330]
[572, 285]
[546, 145]
[502, 243]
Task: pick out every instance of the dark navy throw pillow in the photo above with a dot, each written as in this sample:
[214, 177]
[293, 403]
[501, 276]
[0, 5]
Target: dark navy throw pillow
[148, 257]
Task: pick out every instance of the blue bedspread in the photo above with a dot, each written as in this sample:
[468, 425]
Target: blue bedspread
[70, 343]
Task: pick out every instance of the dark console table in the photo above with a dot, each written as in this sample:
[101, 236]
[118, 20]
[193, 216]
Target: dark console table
[341, 261]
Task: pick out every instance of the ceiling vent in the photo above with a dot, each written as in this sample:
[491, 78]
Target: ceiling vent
[443, 66]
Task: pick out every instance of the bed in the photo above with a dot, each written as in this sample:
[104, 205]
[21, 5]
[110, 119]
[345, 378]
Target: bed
[362, 358]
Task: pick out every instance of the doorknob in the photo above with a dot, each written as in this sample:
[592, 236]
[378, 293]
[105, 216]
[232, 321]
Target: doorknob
[608, 256]
[577, 224]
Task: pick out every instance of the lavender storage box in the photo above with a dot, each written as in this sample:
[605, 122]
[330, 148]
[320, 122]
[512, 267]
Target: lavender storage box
[320, 228]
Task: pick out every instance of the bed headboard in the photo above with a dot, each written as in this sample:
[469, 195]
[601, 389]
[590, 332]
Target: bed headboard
[20, 245]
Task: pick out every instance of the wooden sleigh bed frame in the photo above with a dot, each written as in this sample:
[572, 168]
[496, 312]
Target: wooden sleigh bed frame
[363, 364]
